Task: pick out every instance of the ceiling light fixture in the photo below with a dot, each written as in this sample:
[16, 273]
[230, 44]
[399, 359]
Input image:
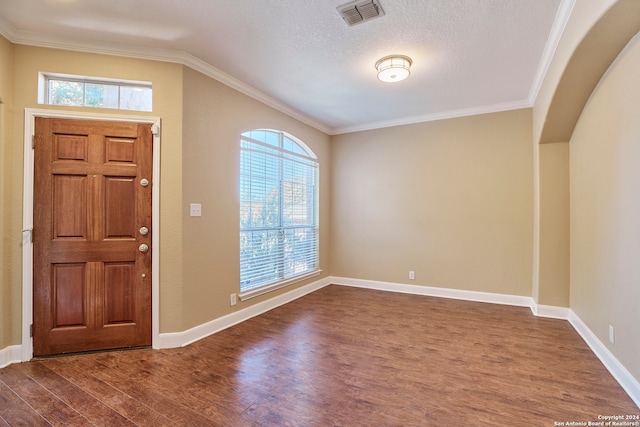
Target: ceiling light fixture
[393, 68]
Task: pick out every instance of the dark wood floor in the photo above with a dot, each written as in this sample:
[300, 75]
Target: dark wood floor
[338, 357]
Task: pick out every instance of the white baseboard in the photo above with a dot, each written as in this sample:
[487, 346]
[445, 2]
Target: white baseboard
[613, 365]
[181, 339]
[11, 354]
[550, 311]
[489, 297]
[617, 370]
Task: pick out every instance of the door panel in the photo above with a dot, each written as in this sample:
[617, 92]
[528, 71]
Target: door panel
[92, 286]
[69, 207]
[119, 292]
[70, 147]
[120, 150]
[120, 207]
[69, 284]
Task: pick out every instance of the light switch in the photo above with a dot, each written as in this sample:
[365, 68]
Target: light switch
[196, 209]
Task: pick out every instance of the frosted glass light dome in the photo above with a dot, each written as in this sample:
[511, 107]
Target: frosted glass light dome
[393, 68]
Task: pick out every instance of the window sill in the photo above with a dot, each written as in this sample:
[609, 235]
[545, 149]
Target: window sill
[281, 284]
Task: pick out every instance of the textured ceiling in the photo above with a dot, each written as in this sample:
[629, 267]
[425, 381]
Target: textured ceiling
[469, 56]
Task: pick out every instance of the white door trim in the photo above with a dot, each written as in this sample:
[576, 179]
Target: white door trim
[27, 216]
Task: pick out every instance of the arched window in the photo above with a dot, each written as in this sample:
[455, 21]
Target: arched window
[278, 211]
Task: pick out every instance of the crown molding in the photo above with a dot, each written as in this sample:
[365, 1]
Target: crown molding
[186, 59]
[209, 70]
[7, 30]
[154, 54]
[559, 24]
[451, 114]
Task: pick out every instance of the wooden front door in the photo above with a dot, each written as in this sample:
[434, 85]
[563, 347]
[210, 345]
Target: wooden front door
[92, 213]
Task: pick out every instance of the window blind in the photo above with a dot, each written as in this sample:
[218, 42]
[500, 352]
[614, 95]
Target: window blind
[278, 209]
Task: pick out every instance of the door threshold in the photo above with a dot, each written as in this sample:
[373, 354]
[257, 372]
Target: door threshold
[80, 353]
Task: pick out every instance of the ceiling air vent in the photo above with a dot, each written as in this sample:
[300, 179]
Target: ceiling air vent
[359, 11]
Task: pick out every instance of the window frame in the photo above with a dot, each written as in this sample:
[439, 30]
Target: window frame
[254, 146]
[44, 78]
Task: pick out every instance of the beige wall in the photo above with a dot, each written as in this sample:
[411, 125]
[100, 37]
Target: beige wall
[201, 123]
[451, 200]
[584, 15]
[553, 264]
[548, 270]
[214, 117]
[167, 103]
[454, 200]
[594, 35]
[605, 210]
[9, 236]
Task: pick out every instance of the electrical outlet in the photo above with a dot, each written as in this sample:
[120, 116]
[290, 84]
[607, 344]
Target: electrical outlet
[612, 335]
[195, 209]
[234, 299]
[412, 275]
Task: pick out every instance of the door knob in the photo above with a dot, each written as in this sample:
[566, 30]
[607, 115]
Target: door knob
[144, 231]
[144, 182]
[143, 247]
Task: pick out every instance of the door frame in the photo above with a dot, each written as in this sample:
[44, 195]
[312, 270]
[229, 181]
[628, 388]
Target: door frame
[27, 215]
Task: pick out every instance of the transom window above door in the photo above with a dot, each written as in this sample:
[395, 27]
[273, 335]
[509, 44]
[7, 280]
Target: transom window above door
[278, 211]
[80, 91]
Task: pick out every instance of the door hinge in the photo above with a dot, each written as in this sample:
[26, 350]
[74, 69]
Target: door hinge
[33, 142]
[155, 129]
[31, 330]
[30, 231]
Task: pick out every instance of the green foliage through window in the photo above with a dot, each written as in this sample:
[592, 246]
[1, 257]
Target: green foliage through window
[79, 92]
